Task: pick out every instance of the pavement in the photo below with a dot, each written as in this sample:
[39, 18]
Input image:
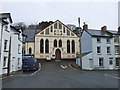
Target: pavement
[60, 74]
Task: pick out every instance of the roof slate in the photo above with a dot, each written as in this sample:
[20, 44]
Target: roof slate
[30, 33]
[98, 33]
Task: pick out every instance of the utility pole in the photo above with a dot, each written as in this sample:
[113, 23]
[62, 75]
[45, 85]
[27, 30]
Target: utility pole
[80, 43]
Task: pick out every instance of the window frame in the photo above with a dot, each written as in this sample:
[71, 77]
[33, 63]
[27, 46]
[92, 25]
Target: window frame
[68, 46]
[5, 45]
[42, 46]
[98, 40]
[46, 46]
[98, 50]
[55, 43]
[101, 62]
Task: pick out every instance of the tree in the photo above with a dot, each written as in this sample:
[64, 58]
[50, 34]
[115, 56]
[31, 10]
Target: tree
[76, 31]
[41, 25]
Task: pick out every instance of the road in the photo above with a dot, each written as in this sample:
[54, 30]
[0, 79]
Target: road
[59, 74]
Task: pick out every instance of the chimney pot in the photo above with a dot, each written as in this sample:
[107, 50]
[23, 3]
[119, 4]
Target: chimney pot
[104, 28]
[85, 27]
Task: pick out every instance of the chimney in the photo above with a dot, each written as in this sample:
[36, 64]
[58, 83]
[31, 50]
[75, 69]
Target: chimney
[85, 26]
[119, 29]
[104, 28]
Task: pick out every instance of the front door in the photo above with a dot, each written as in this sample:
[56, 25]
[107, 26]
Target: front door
[91, 63]
[58, 54]
[111, 63]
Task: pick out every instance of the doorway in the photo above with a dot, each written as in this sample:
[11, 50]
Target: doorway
[57, 54]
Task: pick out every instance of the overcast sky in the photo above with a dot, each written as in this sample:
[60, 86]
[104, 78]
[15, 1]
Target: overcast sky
[95, 14]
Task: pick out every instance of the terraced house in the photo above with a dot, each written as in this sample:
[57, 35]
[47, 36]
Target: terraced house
[54, 42]
[10, 45]
[100, 49]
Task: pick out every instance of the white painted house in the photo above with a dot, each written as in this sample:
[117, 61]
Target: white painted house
[5, 22]
[16, 49]
[98, 51]
[116, 36]
[10, 45]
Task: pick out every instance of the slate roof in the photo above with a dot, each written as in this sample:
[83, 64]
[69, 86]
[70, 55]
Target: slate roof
[114, 32]
[98, 33]
[30, 33]
[84, 54]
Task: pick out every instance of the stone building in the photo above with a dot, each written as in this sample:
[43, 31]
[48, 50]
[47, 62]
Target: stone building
[54, 42]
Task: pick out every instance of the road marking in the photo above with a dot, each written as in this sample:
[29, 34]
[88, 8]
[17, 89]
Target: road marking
[63, 66]
[5, 77]
[110, 75]
[21, 75]
[72, 67]
[35, 72]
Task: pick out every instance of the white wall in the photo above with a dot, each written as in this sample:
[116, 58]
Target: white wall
[103, 54]
[86, 42]
[85, 61]
[0, 46]
[15, 42]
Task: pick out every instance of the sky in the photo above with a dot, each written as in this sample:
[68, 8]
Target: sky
[94, 13]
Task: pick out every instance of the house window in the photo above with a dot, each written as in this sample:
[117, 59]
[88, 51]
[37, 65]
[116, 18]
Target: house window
[68, 46]
[51, 28]
[116, 39]
[55, 43]
[6, 27]
[101, 62]
[98, 40]
[47, 31]
[108, 40]
[110, 61]
[42, 32]
[73, 46]
[55, 26]
[108, 50]
[64, 29]
[117, 62]
[60, 43]
[5, 44]
[30, 50]
[60, 26]
[18, 48]
[5, 61]
[117, 49]
[41, 46]
[72, 34]
[46, 46]
[98, 50]
[18, 61]
[68, 32]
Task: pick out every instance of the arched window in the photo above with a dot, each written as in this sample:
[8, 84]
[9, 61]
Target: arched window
[68, 46]
[73, 46]
[41, 46]
[46, 46]
[30, 50]
[55, 43]
[60, 43]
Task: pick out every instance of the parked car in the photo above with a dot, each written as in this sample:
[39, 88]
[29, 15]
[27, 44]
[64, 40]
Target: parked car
[29, 63]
